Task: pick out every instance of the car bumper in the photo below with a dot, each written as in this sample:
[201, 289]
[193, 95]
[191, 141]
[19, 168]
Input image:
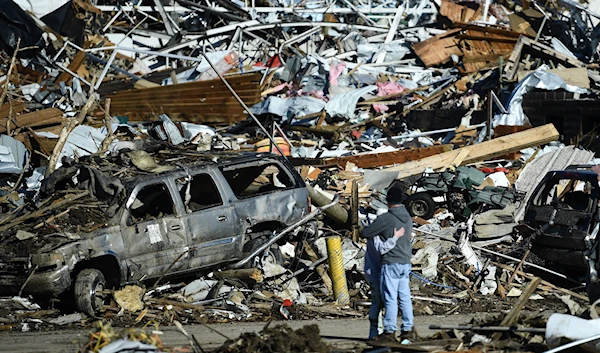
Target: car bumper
[40, 283]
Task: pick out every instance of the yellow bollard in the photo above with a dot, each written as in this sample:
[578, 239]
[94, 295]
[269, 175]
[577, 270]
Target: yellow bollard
[336, 270]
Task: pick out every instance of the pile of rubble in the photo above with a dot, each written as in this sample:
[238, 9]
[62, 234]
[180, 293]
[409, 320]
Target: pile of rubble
[462, 104]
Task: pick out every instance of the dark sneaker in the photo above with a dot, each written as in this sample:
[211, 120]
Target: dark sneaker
[386, 337]
[408, 337]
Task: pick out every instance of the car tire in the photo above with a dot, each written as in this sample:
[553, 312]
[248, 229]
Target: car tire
[421, 205]
[89, 281]
[274, 251]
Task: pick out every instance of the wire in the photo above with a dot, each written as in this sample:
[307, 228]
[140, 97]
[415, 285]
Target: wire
[430, 282]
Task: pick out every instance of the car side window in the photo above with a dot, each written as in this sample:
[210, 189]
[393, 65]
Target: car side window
[151, 202]
[199, 192]
[258, 179]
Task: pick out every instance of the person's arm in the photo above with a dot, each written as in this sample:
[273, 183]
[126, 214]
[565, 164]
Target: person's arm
[384, 246]
[374, 228]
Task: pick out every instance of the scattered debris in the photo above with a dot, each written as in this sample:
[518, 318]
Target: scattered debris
[208, 157]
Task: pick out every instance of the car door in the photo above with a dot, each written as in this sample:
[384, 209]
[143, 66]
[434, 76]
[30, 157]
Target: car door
[214, 232]
[154, 232]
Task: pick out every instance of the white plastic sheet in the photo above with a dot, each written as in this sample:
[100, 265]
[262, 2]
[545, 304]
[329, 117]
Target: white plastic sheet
[40, 8]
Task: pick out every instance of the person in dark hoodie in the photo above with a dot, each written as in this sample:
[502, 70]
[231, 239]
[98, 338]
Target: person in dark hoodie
[396, 266]
[376, 248]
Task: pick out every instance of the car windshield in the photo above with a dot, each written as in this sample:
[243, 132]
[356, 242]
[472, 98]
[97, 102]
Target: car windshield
[571, 194]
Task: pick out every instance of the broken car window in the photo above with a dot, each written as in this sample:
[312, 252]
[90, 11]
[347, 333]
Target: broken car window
[251, 180]
[199, 193]
[567, 194]
[152, 202]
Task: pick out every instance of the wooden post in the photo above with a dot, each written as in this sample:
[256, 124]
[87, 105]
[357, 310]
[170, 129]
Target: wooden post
[107, 123]
[513, 316]
[490, 116]
[354, 211]
[64, 133]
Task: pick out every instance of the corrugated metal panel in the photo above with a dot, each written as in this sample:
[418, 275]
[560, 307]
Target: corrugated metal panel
[533, 172]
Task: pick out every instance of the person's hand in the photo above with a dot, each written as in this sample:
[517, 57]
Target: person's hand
[398, 233]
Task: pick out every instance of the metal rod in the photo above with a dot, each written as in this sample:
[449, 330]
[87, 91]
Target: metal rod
[105, 70]
[305, 219]
[246, 108]
[488, 328]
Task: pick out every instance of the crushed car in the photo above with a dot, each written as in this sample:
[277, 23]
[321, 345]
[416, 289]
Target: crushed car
[155, 216]
[561, 224]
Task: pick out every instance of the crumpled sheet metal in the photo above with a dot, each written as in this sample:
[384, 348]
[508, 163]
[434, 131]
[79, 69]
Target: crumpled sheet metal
[13, 155]
[288, 107]
[537, 79]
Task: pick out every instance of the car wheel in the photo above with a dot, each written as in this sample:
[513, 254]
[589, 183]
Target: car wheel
[88, 286]
[274, 256]
[421, 205]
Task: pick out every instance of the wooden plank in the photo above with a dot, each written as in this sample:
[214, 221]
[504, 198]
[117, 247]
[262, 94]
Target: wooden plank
[576, 76]
[457, 161]
[438, 49]
[50, 116]
[175, 90]
[221, 118]
[197, 85]
[200, 102]
[17, 107]
[481, 151]
[73, 66]
[486, 38]
[389, 158]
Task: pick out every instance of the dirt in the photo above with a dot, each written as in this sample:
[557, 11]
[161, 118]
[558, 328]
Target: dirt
[280, 338]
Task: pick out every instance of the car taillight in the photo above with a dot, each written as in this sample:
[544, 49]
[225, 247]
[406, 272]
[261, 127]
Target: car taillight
[308, 206]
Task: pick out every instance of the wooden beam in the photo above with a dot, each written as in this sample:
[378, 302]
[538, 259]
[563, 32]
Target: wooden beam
[50, 116]
[389, 158]
[73, 66]
[481, 151]
[17, 107]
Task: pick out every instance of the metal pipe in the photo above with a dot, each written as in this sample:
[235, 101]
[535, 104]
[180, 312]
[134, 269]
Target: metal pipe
[336, 270]
[271, 241]
[105, 70]
[426, 133]
[488, 328]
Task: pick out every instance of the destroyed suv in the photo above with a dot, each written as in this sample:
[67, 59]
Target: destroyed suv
[561, 223]
[174, 217]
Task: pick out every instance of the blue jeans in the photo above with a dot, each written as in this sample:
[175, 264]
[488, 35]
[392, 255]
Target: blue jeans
[376, 306]
[395, 286]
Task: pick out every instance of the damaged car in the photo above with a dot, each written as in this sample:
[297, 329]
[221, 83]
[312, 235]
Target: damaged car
[561, 224]
[172, 217]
